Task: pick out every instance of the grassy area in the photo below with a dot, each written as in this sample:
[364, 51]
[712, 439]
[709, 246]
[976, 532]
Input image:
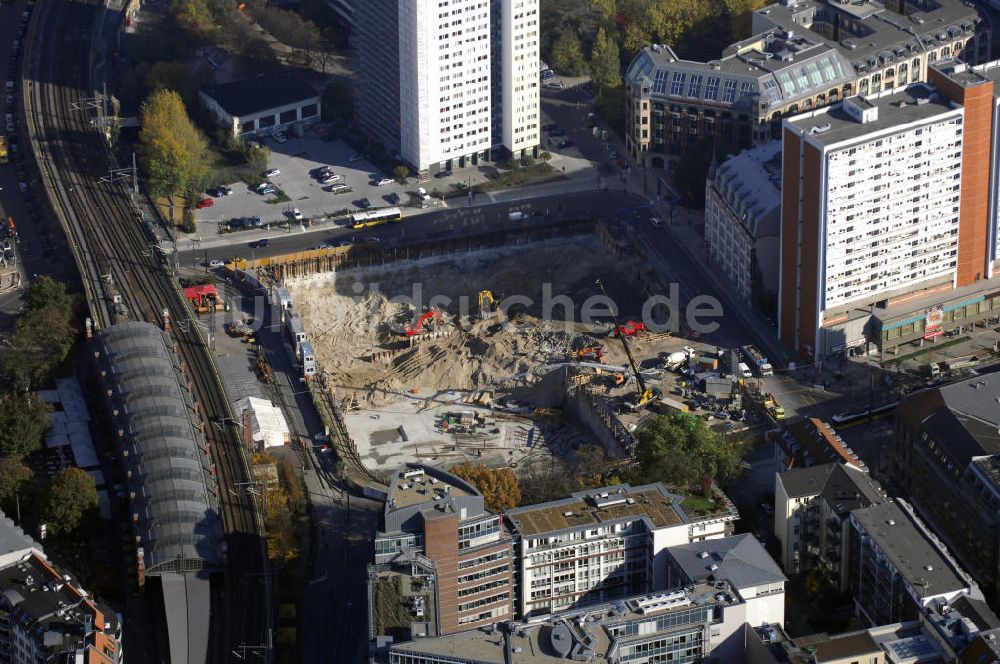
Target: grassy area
[695, 505]
[923, 351]
[278, 197]
[520, 177]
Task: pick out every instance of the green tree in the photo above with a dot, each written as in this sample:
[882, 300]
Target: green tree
[41, 341]
[68, 498]
[567, 54]
[13, 475]
[174, 76]
[400, 173]
[605, 62]
[25, 420]
[606, 8]
[636, 38]
[45, 292]
[499, 486]
[174, 152]
[681, 450]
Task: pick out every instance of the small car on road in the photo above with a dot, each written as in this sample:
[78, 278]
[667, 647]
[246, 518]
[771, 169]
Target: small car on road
[382, 182]
[260, 244]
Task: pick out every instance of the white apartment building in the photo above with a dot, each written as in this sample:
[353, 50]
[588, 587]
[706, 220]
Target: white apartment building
[519, 38]
[872, 190]
[602, 544]
[442, 83]
[444, 60]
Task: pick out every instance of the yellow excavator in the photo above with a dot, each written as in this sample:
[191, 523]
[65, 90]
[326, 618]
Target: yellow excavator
[486, 303]
[645, 393]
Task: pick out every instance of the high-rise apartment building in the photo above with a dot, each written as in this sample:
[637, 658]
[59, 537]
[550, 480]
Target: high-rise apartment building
[430, 71]
[885, 201]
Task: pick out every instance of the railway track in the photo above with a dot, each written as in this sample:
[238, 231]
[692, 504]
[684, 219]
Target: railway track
[116, 255]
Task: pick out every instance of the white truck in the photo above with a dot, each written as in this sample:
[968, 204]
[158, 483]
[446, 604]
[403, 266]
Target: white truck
[517, 216]
[743, 370]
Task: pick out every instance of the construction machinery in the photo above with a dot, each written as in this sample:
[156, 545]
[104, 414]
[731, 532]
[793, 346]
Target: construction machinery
[239, 328]
[424, 324]
[645, 393]
[773, 408]
[631, 328]
[592, 354]
[486, 303]
[204, 298]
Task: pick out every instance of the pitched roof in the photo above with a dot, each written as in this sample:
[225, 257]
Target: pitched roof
[741, 560]
[261, 93]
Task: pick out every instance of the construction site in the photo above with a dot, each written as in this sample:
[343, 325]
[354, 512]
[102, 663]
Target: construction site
[484, 354]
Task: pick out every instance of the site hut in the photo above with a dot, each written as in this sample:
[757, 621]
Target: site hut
[263, 105]
[282, 299]
[307, 359]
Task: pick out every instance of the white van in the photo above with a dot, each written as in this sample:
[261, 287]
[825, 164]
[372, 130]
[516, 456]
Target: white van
[743, 370]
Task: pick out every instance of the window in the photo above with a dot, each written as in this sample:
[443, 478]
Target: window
[728, 92]
[694, 87]
[660, 83]
[677, 85]
[712, 88]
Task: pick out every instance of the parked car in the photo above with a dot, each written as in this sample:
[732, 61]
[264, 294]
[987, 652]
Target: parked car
[364, 203]
[204, 203]
[444, 174]
[220, 191]
[422, 193]
[329, 177]
[271, 172]
[338, 188]
[280, 138]
[356, 157]
[656, 222]
[268, 190]
[294, 213]
[393, 198]
[213, 264]
[381, 182]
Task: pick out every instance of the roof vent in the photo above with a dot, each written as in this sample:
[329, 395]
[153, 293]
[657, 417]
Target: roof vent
[890, 522]
[703, 555]
[567, 514]
[820, 129]
[922, 101]
[928, 568]
[713, 567]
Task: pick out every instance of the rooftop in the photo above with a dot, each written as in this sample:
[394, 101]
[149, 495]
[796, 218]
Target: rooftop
[919, 560]
[262, 92]
[876, 36]
[751, 182]
[811, 441]
[651, 501]
[897, 109]
[583, 635]
[740, 560]
[417, 485]
[14, 542]
[52, 603]
[827, 648]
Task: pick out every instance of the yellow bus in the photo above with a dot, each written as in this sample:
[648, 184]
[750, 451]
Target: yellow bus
[376, 217]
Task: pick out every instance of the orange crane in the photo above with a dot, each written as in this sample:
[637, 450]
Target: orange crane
[645, 393]
[429, 318]
[594, 353]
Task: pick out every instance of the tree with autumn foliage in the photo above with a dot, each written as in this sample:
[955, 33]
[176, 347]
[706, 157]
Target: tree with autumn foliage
[499, 486]
[174, 153]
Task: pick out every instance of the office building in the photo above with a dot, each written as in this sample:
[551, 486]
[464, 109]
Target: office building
[441, 558]
[743, 223]
[898, 568]
[429, 72]
[947, 461]
[803, 54]
[604, 543]
[698, 623]
[45, 616]
[812, 507]
[885, 203]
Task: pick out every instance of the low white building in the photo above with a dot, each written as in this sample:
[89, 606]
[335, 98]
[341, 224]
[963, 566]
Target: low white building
[262, 105]
[604, 543]
[263, 422]
[742, 562]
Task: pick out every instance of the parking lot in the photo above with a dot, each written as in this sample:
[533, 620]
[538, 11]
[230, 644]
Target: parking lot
[298, 161]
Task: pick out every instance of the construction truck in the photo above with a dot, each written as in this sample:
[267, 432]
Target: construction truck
[3, 150]
[773, 408]
[645, 393]
[755, 358]
[238, 328]
[631, 328]
[676, 360]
